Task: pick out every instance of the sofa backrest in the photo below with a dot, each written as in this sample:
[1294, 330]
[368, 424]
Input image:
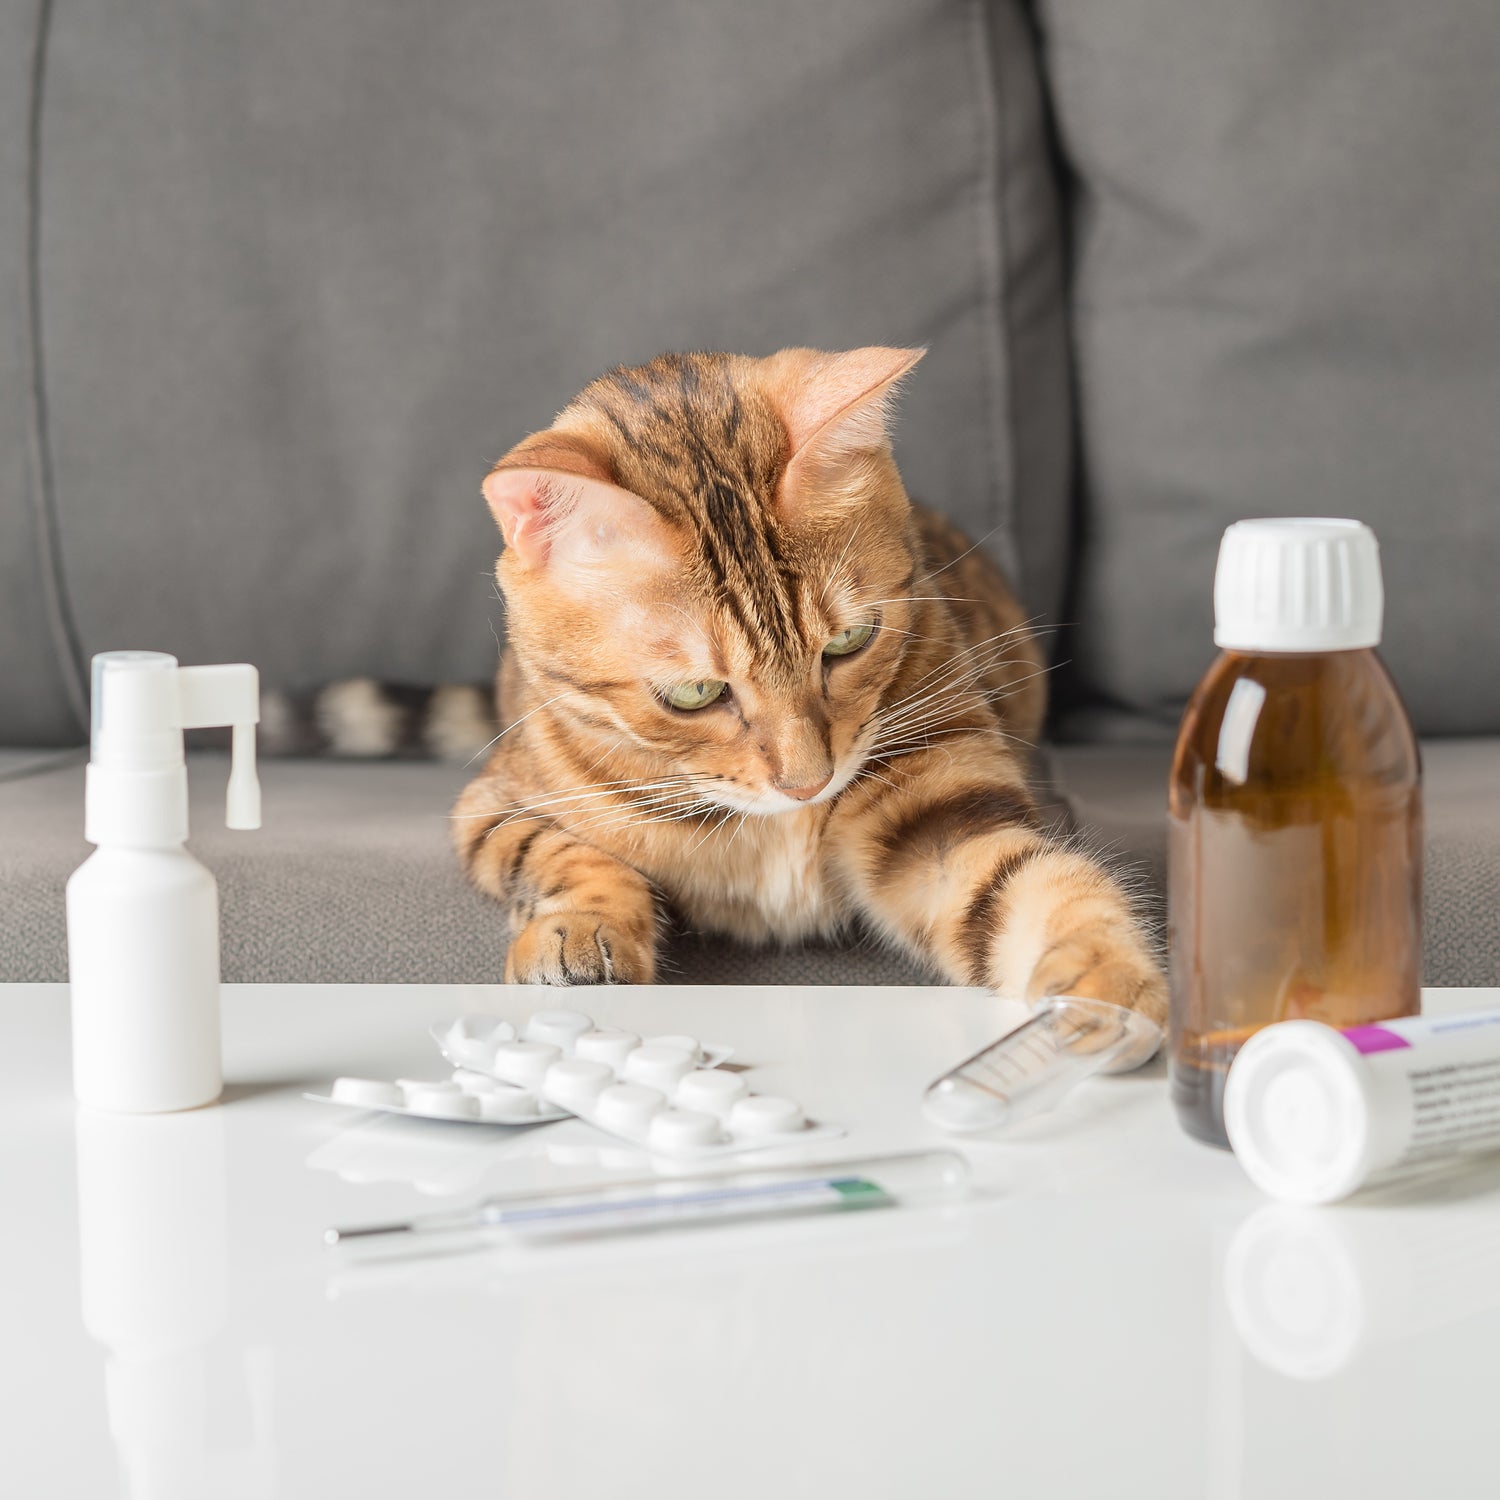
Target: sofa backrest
[1287, 301]
[281, 280]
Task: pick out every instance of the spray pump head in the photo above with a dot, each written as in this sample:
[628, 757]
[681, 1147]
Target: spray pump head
[137, 778]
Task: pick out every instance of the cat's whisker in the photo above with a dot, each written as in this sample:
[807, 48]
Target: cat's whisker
[600, 817]
[972, 547]
[968, 664]
[832, 572]
[559, 817]
[515, 723]
[626, 807]
[713, 828]
[867, 772]
[739, 828]
[1003, 638]
[955, 675]
[601, 789]
[920, 599]
[628, 825]
[568, 794]
[693, 625]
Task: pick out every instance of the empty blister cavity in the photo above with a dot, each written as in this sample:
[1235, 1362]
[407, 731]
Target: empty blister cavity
[558, 1028]
[765, 1114]
[369, 1093]
[608, 1045]
[470, 1041]
[676, 1129]
[525, 1063]
[627, 1108]
[711, 1089]
[658, 1065]
[576, 1082]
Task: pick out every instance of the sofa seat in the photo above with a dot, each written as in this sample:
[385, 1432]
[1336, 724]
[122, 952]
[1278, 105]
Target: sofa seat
[351, 878]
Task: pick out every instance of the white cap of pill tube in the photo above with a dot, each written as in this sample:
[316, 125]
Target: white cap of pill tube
[1298, 1112]
[1298, 584]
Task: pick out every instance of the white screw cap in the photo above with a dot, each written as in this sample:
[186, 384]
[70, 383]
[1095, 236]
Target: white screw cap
[1298, 584]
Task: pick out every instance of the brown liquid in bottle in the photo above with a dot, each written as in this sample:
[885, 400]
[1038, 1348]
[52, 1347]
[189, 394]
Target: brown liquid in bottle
[1295, 885]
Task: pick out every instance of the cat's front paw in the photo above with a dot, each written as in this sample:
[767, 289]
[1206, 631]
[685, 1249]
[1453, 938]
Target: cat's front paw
[1101, 970]
[577, 948]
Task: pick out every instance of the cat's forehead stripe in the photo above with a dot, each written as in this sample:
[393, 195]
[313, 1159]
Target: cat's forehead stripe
[691, 438]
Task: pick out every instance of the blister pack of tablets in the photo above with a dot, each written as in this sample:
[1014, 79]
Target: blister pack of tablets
[668, 1094]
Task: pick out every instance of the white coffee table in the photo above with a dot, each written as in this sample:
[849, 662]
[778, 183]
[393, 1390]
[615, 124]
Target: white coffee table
[1116, 1314]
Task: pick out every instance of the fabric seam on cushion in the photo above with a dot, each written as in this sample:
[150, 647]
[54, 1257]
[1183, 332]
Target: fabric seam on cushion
[994, 336]
[60, 624]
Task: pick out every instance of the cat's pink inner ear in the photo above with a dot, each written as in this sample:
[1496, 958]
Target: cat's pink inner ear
[567, 522]
[516, 501]
[536, 486]
[839, 403]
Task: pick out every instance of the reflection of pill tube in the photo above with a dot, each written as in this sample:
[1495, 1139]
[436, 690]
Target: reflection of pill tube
[1314, 1114]
[1308, 1292]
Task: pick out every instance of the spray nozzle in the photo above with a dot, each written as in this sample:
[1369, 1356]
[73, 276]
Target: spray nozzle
[230, 695]
[142, 702]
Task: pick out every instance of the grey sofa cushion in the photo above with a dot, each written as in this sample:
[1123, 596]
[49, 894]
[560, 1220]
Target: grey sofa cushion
[352, 879]
[1287, 301]
[308, 268]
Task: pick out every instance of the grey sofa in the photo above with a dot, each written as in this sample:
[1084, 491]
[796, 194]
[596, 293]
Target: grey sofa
[277, 282]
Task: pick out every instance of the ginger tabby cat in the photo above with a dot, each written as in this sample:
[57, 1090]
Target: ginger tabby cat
[747, 679]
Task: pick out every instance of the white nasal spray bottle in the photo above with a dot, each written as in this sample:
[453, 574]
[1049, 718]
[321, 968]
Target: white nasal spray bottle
[143, 914]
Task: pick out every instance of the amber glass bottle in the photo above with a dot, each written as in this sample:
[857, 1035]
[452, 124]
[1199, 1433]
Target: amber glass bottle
[1295, 849]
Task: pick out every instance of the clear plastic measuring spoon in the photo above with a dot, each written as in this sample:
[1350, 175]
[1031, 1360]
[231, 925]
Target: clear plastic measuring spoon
[1030, 1069]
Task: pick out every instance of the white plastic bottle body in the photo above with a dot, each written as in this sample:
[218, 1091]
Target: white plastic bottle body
[143, 965]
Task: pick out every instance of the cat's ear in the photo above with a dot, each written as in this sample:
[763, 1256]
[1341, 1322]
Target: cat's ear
[835, 406]
[556, 505]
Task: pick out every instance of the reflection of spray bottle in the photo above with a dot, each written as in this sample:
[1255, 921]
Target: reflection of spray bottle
[153, 1272]
[190, 1410]
[1309, 1292]
[143, 914]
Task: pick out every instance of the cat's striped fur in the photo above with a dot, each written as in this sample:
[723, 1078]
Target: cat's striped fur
[710, 517]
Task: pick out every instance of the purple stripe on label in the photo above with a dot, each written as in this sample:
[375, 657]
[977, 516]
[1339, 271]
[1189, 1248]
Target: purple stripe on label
[1374, 1038]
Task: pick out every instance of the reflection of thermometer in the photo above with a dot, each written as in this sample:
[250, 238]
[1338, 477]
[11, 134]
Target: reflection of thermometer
[658, 1203]
[1032, 1067]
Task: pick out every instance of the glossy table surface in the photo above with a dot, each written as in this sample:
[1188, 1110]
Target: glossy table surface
[1116, 1311]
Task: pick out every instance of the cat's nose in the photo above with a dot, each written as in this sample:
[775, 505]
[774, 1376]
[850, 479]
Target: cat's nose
[805, 793]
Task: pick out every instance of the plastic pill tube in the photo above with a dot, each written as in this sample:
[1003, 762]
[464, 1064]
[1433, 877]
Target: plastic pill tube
[1314, 1114]
[661, 1203]
[1031, 1068]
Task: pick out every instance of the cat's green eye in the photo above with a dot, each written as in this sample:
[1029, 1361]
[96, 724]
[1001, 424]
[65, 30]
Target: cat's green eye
[847, 642]
[691, 695]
